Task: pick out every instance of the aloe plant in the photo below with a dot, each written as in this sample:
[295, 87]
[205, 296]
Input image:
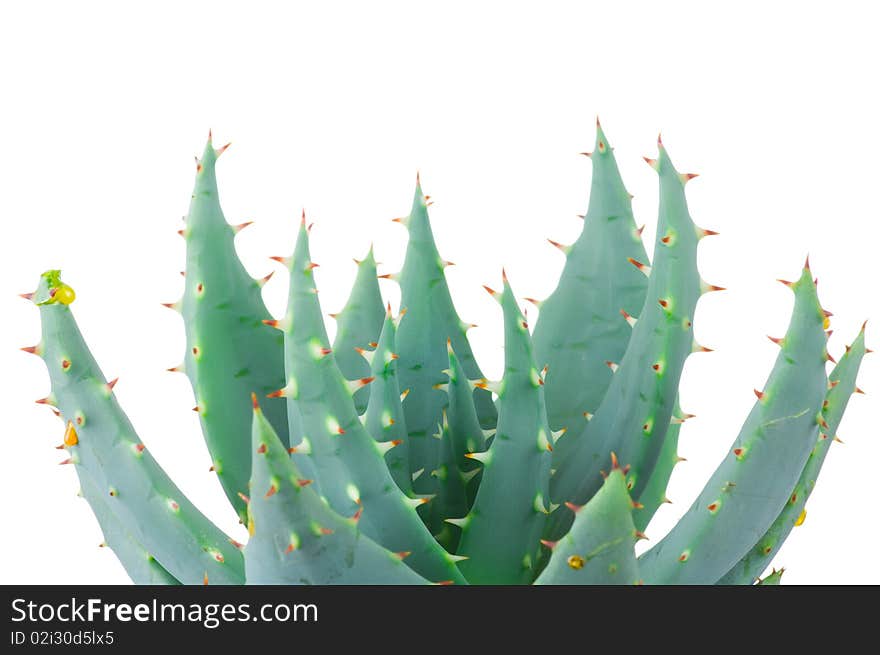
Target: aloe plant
[387, 457]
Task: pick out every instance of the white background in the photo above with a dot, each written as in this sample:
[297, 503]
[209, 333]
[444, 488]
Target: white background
[334, 109]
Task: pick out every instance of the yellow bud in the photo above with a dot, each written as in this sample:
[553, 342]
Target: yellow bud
[576, 562]
[64, 294]
[70, 436]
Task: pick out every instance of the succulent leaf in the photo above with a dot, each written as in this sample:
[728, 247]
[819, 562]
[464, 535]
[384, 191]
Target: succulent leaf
[843, 379]
[229, 351]
[358, 326]
[654, 493]
[753, 483]
[634, 414]
[600, 547]
[384, 418]
[501, 535]
[145, 501]
[343, 454]
[429, 322]
[297, 538]
[579, 326]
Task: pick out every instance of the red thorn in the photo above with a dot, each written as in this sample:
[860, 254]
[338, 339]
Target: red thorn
[651, 162]
[33, 350]
[272, 491]
[280, 260]
[625, 469]
[175, 369]
[663, 303]
[556, 244]
[237, 544]
[614, 463]
[182, 233]
[302, 220]
[195, 409]
[687, 177]
[69, 460]
[262, 449]
[223, 149]
[325, 531]
[244, 498]
[640, 229]
[26, 296]
[270, 322]
[112, 383]
[339, 430]
[275, 394]
[311, 266]
[574, 508]
[404, 554]
[827, 314]
[44, 401]
[550, 544]
[238, 228]
[807, 264]
[714, 287]
[490, 291]
[325, 351]
[830, 358]
[139, 447]
[859, 390]
[777, 341]
[386, 276]
[790, 285]
[586, 154]
[303, 482]
[290, 548]
[709, 233]
[169, 305]
[759, 394]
